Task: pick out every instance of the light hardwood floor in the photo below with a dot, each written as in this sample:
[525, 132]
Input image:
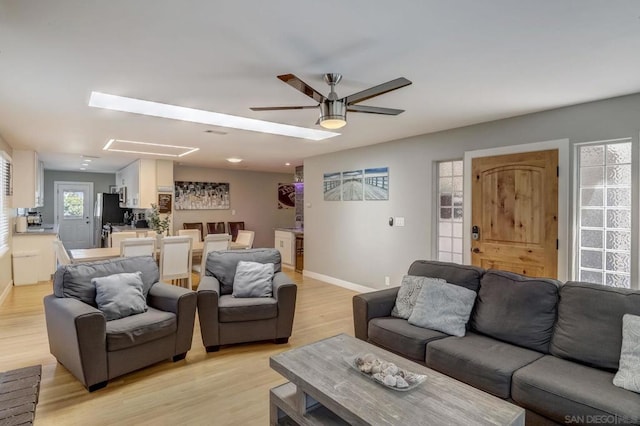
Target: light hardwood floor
[230, 387]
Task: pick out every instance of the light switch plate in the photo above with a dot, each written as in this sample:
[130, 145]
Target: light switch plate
[399, 221]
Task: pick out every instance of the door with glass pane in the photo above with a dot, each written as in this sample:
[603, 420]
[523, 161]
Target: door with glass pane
[515, 213]
[74, 213]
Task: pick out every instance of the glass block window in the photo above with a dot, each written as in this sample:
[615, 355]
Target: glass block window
[449, 237]
[604, 213]
[73, 204]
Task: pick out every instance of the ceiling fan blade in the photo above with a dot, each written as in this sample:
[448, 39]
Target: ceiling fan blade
[303, 87]
[377, 90]
[374, 110]
[282, 108]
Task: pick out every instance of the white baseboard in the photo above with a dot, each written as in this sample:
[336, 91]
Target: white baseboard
[340, 283]
[6, 291]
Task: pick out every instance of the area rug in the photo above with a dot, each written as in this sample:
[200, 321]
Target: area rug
[19, 391]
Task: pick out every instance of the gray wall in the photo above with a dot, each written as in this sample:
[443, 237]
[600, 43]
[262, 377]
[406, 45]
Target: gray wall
[253, 196]
[101, 182]
[352, 241]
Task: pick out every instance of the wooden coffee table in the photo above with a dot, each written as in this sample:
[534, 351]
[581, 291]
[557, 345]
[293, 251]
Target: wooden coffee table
[324, 389]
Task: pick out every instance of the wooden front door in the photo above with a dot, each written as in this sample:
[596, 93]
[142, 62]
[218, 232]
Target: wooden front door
[515, 210]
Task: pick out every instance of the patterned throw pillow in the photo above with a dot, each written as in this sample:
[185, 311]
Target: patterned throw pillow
[628, 375]
[408, 293]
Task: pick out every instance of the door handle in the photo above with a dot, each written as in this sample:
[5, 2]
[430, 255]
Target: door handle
[476, 250]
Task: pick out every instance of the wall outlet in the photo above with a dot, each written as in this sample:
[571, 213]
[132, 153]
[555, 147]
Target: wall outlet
[399, 221]
[387, 281]
[233, 212]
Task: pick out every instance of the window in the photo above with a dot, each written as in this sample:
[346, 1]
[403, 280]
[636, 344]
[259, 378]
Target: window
[5, 192]
[604, 213]
[73, 207]
[450, 211]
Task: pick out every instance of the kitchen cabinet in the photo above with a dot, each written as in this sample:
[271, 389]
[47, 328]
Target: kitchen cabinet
[28, 181]
[38, 243]
[285, 242]
[139, 179]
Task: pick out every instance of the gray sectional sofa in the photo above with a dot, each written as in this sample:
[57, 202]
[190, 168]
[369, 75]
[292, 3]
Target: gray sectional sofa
[548, 347]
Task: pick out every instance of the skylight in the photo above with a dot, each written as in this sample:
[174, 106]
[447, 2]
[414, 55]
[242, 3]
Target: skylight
[156, 109]
[135, 147]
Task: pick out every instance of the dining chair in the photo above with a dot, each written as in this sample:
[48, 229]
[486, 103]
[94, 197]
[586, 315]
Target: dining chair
[117, 237]
[131, 247]
[195, 225]
[62, 257]
[233, 228]
[245, 238]
[175, 259]
[212, 242]
[215, 228]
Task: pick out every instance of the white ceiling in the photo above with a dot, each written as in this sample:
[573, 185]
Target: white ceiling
[470, 61]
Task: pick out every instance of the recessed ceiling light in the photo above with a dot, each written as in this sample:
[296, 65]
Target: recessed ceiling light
[234, 160]
[156, 109]
[82, 168]
[87, 160]
[287, 164]
[134, 147]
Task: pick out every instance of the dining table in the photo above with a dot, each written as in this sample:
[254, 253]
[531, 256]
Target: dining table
[104, 253]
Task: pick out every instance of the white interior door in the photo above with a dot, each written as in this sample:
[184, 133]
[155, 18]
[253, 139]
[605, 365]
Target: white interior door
[74, 213]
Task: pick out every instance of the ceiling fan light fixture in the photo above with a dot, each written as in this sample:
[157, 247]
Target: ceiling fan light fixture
[333, 114]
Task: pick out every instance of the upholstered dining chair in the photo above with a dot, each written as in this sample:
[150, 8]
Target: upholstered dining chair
[175, 259]
[233, 228]
[245, 238]
[131, 247]
[212, 242]
[117, 237]
[192, 233]
[62, 257]
[195, 225]
[215, 228]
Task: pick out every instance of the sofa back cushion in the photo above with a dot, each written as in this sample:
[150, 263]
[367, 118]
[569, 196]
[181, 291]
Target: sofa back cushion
[74, 280]
[516, 309]
[589, 326]
[463, 275]
[222, 264]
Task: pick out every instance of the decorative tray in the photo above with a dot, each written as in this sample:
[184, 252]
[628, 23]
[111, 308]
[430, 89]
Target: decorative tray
[385, 373]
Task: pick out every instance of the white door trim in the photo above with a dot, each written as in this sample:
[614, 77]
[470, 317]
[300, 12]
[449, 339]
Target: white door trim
[562, 145]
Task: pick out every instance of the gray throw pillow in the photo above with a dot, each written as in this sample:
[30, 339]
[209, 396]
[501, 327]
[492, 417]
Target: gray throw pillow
[253, 279]
[120, 295]
[408, 293]
[443, 307]
[628, 375]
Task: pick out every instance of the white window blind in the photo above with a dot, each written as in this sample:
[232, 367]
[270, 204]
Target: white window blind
[5, 193]
[450, 211]
[604, 213]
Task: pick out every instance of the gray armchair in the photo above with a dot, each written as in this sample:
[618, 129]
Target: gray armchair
[95, 350]
[226, 320]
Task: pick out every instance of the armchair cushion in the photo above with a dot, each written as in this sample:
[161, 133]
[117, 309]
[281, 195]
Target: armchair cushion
[120, 295]
[222, 264]
[232, 309]
[137, 329]
[253, 279]
[74, 280]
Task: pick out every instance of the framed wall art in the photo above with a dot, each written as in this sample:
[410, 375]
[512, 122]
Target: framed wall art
[201, 195]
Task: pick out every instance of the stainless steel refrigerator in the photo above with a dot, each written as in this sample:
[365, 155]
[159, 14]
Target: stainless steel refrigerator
[107, 212]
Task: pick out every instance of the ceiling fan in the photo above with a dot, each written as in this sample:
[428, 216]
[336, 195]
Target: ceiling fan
[333, 110]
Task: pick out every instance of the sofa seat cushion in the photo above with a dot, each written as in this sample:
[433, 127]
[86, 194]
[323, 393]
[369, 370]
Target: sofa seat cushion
[397, 335]
[480, 361]
[234, 309]
[557, 388]
[141, 328]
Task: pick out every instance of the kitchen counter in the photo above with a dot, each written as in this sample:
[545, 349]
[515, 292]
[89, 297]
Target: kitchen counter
[292, 230]
[45, 229]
